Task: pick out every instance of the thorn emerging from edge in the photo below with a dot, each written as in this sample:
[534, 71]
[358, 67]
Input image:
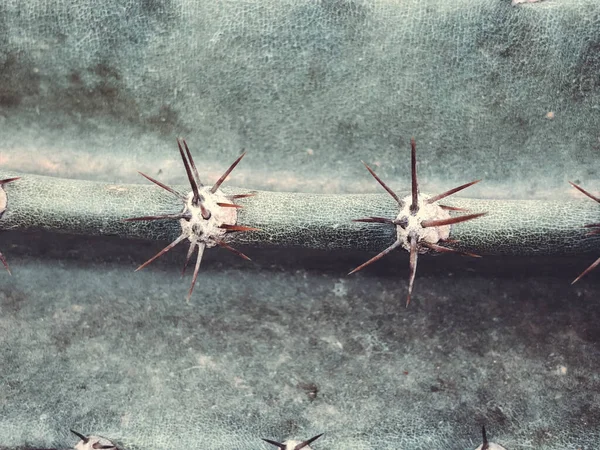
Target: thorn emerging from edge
[394, 246]
[414, 206]
[237, 228]
[299, 446]
[591, 233]
[450, 221]
[414, 238]
[229, 205]
[383, 185]
[442, 249]
[2, 183]
[235, 197]
[9, 180]
[485, 444]
[80, 436]
[226, 174]
[412, 265]
[450, 192]
[197, 200]
[586, 271]
[95, 445]
[580, 189]
[186, 163]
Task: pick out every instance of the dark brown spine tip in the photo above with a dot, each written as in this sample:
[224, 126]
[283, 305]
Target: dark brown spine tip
[233, 250]
[592, 225]
[450, 221]
[9, 180]
[164, 186]
[383, 185]
[236, 196]
[80, 436]
[414, 207]
[442, 249]
[580, 189]
[237, 228]
[450, 192]
[586, 271]
[377, 257]
[190, 176]
[163, 251]
[164, 217]
[453, 208]
[276, 444]
[226, 174]
[308, 442]
[374, 220]
[485, 445]
[229, 205]
[191, 160]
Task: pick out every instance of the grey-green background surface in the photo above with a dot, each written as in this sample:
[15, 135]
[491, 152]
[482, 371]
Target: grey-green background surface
[99, 90]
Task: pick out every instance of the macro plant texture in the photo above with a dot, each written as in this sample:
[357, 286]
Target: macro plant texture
[289, 350]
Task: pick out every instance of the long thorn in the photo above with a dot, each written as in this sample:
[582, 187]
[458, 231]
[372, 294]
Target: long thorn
[3, 259]
[450, 221]
[276, 444]
[9, 180]
[586, 271]
[451, 191]
[229, 205]
[163, 251]
[191, 160]
[233, 250]
[188, 257]
[226, 174]
[485, 445]
[201, 247]
[237, 228]
[164, 186]
[190, 176]
[236, 196]
[383, 185]
[374, 220]
[450, 241]
[85, 439]
[442, 249]
[412, 266]
[593, 233]
[306, 443]
[377, 257]
[414, 207]
[453, 208]
[592, 225]
[166, 216]
[585, 192]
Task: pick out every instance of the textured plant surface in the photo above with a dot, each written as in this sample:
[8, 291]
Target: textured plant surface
[594, 232]
[90, 94]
